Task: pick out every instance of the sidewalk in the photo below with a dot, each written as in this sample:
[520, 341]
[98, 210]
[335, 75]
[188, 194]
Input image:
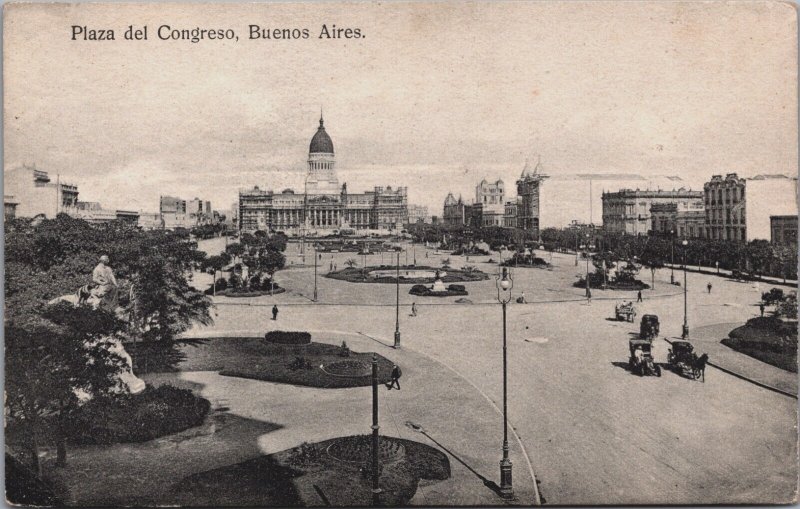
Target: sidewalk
[711, 271]
[254, 418]
[707, 339]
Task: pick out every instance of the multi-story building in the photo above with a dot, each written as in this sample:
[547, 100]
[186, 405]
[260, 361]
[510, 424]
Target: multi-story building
[417, 214]
[740, 208]
[172, 205]
[150, 221]
[784, 230]
[628, 211]
[454, 213]
[9, 207]
[528, 187]
[511, 211]
[678, 218]
[36, 193]
[323, 205]
[491, 197]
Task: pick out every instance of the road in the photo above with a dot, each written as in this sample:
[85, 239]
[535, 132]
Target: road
[594, 432]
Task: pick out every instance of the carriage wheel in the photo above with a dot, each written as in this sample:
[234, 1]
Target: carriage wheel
[696, 373]
[658, 370]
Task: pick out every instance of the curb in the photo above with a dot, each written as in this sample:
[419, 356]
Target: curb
[747, 379]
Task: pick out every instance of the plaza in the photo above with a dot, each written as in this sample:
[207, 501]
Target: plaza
[578, 419]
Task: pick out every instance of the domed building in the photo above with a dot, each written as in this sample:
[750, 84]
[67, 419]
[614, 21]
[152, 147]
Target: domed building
[322, 205]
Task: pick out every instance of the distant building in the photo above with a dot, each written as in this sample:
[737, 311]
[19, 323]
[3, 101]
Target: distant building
[528, 190]
[628, 211]
[417, 214]
[324, 205]
[510, 214]
[784, 230]
[678, 219]
[491, 197]
[172, 205]
[739, 209]
[36, 193]
[9, 207]
[453, 213]
[150, 221]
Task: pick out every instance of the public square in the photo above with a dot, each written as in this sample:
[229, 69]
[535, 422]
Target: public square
[580, 419]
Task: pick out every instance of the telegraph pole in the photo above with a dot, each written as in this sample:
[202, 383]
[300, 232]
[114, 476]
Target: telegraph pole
[376, 489]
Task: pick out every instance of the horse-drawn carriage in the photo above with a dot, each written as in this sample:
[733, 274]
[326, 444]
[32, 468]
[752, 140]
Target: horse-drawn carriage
[649, 327]
[641, 360]
[683, 360]
[625, 312]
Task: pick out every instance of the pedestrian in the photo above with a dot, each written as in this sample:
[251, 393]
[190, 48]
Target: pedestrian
[331, 267]
[523, 298]
[639, 296]
[709, 286]
[413, 309]
[334, 267]
[396, 374]
[761, 307]
[275, 312]
[588, 295]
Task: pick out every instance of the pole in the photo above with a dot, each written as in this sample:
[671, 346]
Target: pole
[397, 307]
[672, 259]
[214, 284]
[376, 489]
[506, 487]
[685, 332]
[576, 248]
[315, 274]
[588, 291]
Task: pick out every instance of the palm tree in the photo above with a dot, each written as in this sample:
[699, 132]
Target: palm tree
[351, 262]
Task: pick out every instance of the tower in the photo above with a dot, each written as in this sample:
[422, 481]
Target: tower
[321, 177]
[528, 193]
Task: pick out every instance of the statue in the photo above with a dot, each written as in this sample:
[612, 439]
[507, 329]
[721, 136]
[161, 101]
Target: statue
[102, 292]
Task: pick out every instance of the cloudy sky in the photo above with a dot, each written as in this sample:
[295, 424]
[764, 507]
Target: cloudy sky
[435, 96]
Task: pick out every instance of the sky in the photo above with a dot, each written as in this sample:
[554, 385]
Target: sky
[435, 96]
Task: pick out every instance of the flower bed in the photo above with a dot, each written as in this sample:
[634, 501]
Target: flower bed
[452, 291]
[767, 339]
[359, 275]
[348, 368]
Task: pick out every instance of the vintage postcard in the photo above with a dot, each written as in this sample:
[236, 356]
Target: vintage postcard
[400, 253]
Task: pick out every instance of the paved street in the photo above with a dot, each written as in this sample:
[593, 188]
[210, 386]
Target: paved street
[582, 417]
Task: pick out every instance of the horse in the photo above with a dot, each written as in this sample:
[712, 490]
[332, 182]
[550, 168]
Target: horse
[699, 367]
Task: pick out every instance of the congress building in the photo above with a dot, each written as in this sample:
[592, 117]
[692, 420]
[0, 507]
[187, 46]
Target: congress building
[323, 206]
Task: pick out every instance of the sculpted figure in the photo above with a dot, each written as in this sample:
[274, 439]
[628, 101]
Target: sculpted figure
[105, 286]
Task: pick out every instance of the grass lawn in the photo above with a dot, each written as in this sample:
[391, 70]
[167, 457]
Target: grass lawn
[257, 359]
[309, 476]
[357, 275]
[768, 340]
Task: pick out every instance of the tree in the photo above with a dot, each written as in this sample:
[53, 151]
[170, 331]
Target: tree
[351, 262]
[653, 263]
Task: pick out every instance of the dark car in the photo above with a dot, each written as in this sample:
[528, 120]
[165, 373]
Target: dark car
[649, 327]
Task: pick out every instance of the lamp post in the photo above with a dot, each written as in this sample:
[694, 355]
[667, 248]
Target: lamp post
[376, 489]
[414, 246]
[685, 332]
[577, 236]
[505, 284]
[672, 257]
[397, 307]
[315, 273]
[717, 264]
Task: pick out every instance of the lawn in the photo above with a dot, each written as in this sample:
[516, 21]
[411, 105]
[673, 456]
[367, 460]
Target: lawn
[309, 475]
[313, 365]
[768, 340]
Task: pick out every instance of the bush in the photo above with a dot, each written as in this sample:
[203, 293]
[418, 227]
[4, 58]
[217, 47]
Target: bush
[288, 338]
[222, 284]
[154, 413]
[773, 296]
[457, 288]
[418, 290]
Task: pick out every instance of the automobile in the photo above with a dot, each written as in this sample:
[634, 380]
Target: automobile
[641, 360]
[649, 327]
[684, 361]
[625, 312]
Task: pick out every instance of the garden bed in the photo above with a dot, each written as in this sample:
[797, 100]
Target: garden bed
[247, 293]
[360, 275]
[303, 365]
[768, 340]
[613, 285]
[452, 291]
[310, 475]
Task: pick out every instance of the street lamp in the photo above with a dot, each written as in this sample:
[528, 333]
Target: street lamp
[672, 257]
[397, 307]
[504, 284]
[315, 273]
[685, 332]
[577, 236]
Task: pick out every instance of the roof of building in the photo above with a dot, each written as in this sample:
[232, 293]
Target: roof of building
[321, 143]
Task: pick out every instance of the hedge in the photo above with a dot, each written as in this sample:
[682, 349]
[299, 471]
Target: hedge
[288, 338]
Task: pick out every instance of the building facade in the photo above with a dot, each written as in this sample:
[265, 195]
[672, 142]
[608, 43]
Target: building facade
[511, 211]
[323, 205]
[9, 207]
[739, 209]
[417, 214]
[528, 192]
[37, 194]
[628, 211]
[784, 230]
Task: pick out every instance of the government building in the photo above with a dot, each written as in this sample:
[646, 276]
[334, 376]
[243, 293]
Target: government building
[323, 206]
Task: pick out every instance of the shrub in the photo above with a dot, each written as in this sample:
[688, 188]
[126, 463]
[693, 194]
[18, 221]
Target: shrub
[288, 338]
[418, 290]
[222, 284]
[154, 413]
[457, 288]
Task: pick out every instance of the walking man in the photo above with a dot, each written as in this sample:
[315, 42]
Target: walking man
[761, 307]
[396, 373]
[413, 309]
[275, 312]
[639, 296]
[709, 286]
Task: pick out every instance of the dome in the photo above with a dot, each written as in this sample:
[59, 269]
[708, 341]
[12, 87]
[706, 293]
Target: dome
[321, 142]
